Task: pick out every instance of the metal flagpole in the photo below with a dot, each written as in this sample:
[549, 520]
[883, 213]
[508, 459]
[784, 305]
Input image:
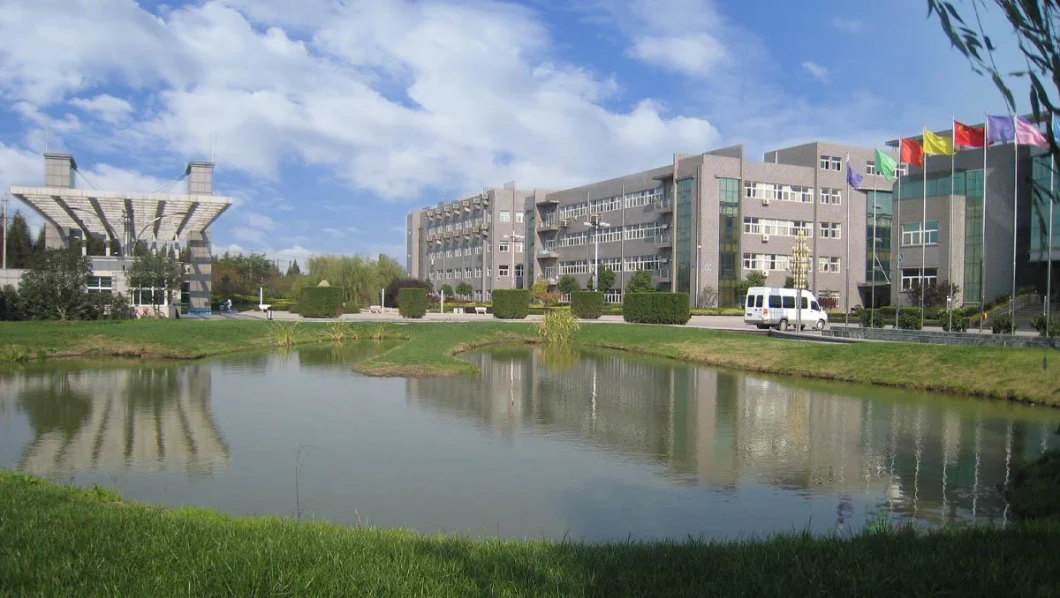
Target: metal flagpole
[923, 233]
[872, 316]
[1049, 247]
[846, 292]
[982, 249]
[898, 223]
[1015, 208]
[950, 246]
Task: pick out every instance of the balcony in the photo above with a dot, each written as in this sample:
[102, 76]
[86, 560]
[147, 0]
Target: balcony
[664, 206]
[549, 225]
[662, 275]
[547, 254]
[548, 201]
[662, 240]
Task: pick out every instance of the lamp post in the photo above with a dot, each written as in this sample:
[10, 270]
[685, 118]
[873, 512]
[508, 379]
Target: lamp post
[595, 223]
[512, 240]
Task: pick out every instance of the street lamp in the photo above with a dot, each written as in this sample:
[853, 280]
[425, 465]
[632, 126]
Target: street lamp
[596, 224]
[511, 249]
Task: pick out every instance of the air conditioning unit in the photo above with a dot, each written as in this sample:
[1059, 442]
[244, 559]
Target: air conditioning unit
[485, 196]
[765, 201]
[765, 238]
[564, 222]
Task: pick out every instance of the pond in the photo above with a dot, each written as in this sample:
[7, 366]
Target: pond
[589, 445]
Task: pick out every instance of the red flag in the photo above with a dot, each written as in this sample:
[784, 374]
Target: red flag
[912, 153]
[968, 136]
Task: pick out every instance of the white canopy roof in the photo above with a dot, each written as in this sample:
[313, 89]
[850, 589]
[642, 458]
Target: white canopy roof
[146, 216]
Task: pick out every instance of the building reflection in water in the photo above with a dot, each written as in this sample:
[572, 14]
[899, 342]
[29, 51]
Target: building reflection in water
[938, 462]
[145, 419]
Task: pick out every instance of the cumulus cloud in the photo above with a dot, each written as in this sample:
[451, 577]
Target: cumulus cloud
[816, 71]
[104, 106]
[848, 25]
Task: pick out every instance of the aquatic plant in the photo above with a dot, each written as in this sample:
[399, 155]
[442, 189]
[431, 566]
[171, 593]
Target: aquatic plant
[558, 327]
[282, 334]
[337, 332]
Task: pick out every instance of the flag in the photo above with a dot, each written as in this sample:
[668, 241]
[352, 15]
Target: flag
[886, 165]
[1056, 128]
[937, 145]
[1028, 134]
[968, 136]
[912, 153]
[1000, 129]
[853, 178]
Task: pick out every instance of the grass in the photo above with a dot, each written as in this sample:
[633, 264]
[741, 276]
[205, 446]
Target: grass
[73, 542]
[1035, 490]
[431, 348]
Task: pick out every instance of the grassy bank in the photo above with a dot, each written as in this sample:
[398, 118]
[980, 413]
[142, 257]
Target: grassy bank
[66, 541]
[431, 348]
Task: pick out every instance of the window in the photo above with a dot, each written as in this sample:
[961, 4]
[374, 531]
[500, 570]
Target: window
[505, 216]
[909, 275]
[766, 262]
[825, 161]
[518, 248]
[502, 270]
[870, 168]
[789, 302]
[502, 246]
[831, 230]
[831, 196]
[828, 264]
[519, 216]
[837, 163]
[911, 233]
[99, 284]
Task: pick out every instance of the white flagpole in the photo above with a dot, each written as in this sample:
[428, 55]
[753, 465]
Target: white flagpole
[982, 249]
[953, 164]
[923, 229]
[872, 316]
[898, 223]
[1015, 223]
[846, 292]
[1049, 248]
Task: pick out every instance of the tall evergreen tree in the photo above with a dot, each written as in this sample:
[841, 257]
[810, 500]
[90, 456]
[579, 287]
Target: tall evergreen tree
[293, 269]
[41, 243]
[19, 245]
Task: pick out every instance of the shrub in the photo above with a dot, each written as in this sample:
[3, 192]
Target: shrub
[568, 284]
[909, 319]
[656, 308]
[1038, 323]
[587, 304]
[558, 327]
[960, 321]
[876, 316]
[511, 304]
[640, 282]
[1003, 324]
[412, 302]
[390, 295]
[320, 302]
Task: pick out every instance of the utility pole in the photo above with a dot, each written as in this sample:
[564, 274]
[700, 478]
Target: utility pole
[3, 227]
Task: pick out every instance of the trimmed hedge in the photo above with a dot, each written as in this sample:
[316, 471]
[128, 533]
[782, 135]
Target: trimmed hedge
[320, 302]
[656, 308]
[587, 304]
[412, 302]
[511, 304]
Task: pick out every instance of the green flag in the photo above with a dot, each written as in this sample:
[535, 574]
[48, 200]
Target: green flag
[885, 165]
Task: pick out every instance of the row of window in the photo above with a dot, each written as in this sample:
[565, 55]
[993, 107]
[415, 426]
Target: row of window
[781, 228]
[614, 234]
[792, 193]
[629, 264]
[914, 233]
[911, 275]
[635, 199]
[771, 262]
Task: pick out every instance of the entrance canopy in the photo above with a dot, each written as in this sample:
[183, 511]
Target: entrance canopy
[123, 216]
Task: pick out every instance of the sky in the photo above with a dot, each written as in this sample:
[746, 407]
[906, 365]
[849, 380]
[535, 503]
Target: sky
[329, 120]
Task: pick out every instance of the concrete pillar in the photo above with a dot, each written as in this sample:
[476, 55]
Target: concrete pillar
[199, 272]
[54, 237]
[59, 170]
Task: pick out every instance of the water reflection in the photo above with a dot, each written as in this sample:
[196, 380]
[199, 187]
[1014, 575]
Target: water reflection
[933, 459]
[146, 418]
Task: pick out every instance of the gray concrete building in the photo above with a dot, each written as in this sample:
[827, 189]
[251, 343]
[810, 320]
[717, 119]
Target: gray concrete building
[120, 220]
[698, 225]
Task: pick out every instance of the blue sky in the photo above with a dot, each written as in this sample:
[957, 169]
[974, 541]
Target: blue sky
[330, 121]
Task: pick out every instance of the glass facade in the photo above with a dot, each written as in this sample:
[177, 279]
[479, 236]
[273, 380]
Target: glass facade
[728, 242]
[968, 183]
[683, 245]
[1041, 171]
[883, 224]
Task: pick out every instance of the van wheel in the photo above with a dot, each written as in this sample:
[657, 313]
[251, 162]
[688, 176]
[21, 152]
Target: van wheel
[783, 325]
[820, 325]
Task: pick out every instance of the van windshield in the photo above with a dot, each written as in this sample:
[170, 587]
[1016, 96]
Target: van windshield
[816, 306]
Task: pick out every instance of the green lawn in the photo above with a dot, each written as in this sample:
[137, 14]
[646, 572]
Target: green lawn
[429, 349]
[71, 542]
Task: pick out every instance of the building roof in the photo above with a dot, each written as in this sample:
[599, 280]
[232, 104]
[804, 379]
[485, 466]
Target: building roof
[146, 216]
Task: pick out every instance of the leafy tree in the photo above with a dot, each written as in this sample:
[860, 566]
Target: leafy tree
[568, 284]
[448, 290]
[54, 287]
[155, 269]
[11, 307]
[293, 269]
[41, 243]
[607, 279]
[708, 297]
[935, 293]
[19, 245]
[754, 278]
[789, 282]
[640, 282]
[464, 290]
[539, 289]
[391, 292]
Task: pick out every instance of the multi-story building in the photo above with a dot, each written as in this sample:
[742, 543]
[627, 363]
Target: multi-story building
[699, 225]
[477, 240]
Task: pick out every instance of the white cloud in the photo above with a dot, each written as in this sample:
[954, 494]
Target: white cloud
[259, 221]
[851, 25]
[106, 107]
[696, 55]
[816, 71]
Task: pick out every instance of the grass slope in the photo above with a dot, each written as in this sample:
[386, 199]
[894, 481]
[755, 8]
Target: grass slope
[72, 542]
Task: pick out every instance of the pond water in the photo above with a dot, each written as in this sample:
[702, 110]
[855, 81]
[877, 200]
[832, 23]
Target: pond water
[593, 445]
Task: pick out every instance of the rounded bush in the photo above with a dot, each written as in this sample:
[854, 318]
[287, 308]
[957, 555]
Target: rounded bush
[412, 302]
[876, 316]
[1002, 324]
[511, 304]
[960, 321]
[656, 308]
[320, 302]
[909, 319]
[587, 305]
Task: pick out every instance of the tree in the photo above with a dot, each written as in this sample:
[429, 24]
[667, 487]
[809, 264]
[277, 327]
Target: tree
[640, 282]
[464, 290]
[448, 290]
[155, 270]
[391, 292]
[42, 241]
[935, 293]
[754, 278]
[19, 245]
[607, 279]
[293, 269]
[568, 284]
[789, 282]
[708, 297]
[54, 287]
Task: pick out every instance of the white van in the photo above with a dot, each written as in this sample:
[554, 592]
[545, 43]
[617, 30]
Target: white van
[772, 307]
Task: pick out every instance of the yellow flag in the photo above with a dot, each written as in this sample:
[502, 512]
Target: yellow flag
[937, 145]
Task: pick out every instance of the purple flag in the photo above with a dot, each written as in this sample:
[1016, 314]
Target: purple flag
[1028, 134]
[1056, 128]
[853, 178]
[1000, 129]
